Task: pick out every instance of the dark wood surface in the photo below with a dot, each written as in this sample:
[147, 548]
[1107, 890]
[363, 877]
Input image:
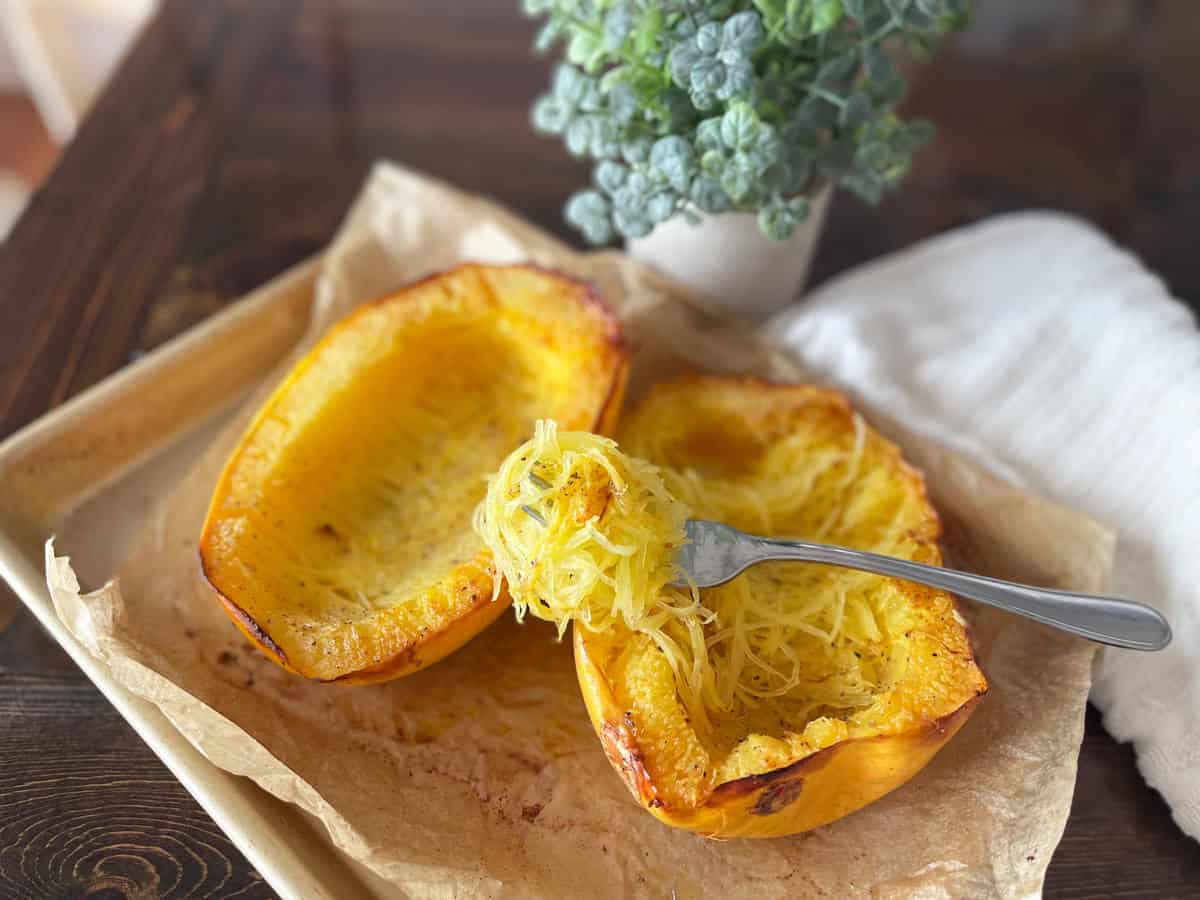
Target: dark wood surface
[230, 143]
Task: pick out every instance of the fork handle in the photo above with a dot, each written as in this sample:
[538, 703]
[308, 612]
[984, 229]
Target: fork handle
[1109, 620]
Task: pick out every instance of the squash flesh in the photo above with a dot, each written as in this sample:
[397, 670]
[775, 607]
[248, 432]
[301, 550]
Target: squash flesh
[341, 526]
[916, 677]
[582, 533]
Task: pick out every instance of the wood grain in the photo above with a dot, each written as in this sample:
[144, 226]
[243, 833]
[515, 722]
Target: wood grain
[228, 147]
[86, 812]
[1120, 840]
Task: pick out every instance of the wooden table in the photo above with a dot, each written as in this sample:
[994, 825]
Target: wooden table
[229, 145]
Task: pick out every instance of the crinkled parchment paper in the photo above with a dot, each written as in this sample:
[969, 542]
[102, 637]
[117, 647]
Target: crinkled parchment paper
[481, 777]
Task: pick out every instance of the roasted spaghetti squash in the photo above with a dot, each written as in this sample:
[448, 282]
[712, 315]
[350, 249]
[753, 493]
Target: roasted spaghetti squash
[339, 535]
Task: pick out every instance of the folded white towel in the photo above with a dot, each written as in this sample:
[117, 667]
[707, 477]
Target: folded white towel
[1035, 346]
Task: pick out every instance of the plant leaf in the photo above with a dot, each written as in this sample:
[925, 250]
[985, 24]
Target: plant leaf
[618, 23]
[708, 38]
[636, 149]
[682, 59]
[707, 194]
[708, 134]
[737, 179]
[707, 76]
[798, 19]
[661, 206]
[547, 35]
[815, 113]
[579, 136]
[605, 138]
[590, 213]
[622, 103]
[648, 29]
[712, 162]
[838, 70]
[739, 82]
[610, 176]
[772, 12]
[742, 32]
[569, 85]
[584, 49]
[673, 159]
[776, 220]
[858, 109]
[548, 115]
[826, 14]
[739, 126]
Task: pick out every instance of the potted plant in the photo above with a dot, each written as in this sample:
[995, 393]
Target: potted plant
[718, 127]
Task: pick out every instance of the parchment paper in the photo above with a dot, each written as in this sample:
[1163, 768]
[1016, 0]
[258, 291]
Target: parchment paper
[481, 776]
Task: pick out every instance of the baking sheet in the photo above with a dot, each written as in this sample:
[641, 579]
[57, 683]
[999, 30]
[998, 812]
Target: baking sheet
[149, 435]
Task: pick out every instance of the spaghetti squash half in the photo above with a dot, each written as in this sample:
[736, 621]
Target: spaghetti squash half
[792, 695]
[339, 535]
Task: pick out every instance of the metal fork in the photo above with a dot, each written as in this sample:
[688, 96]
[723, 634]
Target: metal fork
[716, 553]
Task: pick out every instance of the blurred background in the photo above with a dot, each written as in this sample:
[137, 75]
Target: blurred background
[55, 55]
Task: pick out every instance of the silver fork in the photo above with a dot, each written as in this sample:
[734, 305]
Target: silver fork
[716, 553]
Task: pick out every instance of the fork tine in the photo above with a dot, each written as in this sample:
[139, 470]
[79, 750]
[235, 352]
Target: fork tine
[539, 482]
[533, 514]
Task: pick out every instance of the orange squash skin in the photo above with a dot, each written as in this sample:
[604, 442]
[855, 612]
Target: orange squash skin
[812, 791]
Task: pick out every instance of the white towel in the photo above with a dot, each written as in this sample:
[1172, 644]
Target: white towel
[1035, 346]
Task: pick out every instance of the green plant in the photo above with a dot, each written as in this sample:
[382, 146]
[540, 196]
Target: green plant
[716, 105]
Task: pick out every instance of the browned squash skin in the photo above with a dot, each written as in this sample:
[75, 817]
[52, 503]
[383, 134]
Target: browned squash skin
[813, 791]
[487, 348]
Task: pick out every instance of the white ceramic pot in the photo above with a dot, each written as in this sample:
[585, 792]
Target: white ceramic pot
[727, 258]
